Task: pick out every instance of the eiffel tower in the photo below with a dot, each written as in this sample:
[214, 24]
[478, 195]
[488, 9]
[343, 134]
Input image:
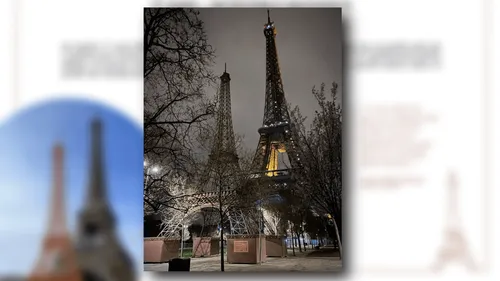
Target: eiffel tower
[223, 162]
[100, 253]
[276, 142]
[58, 260]
[223, 154]
[275, 157]
[455, 246]
[223, 159]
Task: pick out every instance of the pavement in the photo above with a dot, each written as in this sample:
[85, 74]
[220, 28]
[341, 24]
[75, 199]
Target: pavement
[323, 260]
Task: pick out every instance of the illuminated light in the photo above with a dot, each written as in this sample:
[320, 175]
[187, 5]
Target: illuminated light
[155, 169]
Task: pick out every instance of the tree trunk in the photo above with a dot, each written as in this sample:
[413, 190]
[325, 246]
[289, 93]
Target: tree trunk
[182, 241]
[298, 241]
[222, 248]
[293, 241]
[221, 225]
[337, 215]
[304, 241]
[338, 236]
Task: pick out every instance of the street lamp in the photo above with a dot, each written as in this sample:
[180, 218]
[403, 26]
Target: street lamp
[150, 170]
[259, 208]
[182, 240]
[155, 169]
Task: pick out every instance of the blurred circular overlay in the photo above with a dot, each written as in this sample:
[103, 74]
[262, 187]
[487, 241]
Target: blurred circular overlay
[27, 141]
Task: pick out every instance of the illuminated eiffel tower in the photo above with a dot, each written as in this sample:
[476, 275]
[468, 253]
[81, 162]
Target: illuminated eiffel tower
[275, 156]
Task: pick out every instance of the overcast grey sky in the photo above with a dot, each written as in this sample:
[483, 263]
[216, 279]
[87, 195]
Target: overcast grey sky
[309, 49]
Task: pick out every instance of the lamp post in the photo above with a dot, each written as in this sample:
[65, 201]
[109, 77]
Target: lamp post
[336, 232]
[182, 240]
[260, 230]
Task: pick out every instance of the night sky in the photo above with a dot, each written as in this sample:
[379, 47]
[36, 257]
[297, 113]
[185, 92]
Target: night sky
[309, 49]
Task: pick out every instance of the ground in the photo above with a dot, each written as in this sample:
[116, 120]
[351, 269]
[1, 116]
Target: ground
[324, 260]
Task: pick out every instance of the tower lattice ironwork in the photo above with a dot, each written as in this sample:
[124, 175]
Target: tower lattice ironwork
[224, 141]
[223, 155]
[275, 156]
[223, 160]
[223, 164]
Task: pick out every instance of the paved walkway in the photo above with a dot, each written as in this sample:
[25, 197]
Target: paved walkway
[300, 262]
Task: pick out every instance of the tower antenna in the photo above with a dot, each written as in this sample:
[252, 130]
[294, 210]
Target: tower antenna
[268, 17]
[225, 68]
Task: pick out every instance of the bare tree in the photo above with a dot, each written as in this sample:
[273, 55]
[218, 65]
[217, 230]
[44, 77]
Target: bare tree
[165, 190]
[185, 233]
[177, 63]
[320, 150]
[273, 221]
[227, 176]
[314, 225]
[172, 201]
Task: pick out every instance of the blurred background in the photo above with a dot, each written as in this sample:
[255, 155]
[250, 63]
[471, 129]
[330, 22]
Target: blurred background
[27, 140]
[420, 113]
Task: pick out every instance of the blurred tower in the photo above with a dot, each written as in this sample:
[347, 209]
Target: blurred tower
[100, 254]
[454, 247]
[58, 260]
